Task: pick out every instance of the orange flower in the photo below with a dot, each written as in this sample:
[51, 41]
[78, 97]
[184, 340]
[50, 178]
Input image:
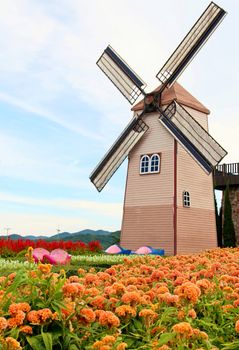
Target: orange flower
[73, 289]
[12, 344]
[121, 346]
[73, 279]
[12, 275]
[108, 339]
[98, 302]
[162, 289]
[147, 313]
[40, 316]
[188, 291]
[130, 298]
[15, 307]
[88, 315]
[181, 315]
[81, 271]
[192, 313]
[3, 323]
[26, 329]
[227, 307]
[204, 284]
[237, 326]
[183, 329]
[44, 268]
[125, 310]
[33, 317]
[20, 317]
[44, 314]
[108, 318]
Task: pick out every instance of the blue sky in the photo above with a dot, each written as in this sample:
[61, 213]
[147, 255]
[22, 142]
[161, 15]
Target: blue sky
[59, 114]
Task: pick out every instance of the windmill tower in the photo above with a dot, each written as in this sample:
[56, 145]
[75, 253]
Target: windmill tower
[169, 200]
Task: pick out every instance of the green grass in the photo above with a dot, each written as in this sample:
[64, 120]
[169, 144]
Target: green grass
[98, 261]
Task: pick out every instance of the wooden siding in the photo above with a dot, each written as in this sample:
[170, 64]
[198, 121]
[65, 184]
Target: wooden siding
[200, 117]
[196, 230]
[192, 178]
[151, 189]
[148, 225]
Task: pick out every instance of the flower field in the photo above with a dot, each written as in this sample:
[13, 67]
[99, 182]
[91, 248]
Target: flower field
[11, 247]
[181, 302]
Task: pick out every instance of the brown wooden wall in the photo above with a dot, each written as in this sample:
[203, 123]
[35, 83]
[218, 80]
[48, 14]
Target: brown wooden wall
[196, 230]
[147, 215]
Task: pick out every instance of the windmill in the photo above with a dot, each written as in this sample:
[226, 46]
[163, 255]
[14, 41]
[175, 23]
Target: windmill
[169, 188]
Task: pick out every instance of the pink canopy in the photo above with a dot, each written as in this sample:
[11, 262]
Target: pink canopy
[143, 250]
[113, 249]
[39, 253]
[58, 256]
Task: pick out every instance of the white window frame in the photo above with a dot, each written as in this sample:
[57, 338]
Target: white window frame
[141, 167]
[149, 158]
[158, 157]
[186, 199]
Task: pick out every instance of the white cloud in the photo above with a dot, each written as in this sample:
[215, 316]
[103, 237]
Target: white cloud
[106, 209]
[77, 215]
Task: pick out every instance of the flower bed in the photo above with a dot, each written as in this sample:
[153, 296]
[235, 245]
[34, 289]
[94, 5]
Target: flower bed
[9, 247]
[182, 302]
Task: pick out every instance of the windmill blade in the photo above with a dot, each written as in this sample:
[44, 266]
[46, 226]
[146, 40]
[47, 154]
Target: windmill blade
[191, 44]
[121, 75]
[197, 141]
[118, 152]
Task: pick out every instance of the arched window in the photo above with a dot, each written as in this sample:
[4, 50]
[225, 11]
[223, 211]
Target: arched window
[144, 164]
[186, 199]
[154, 163]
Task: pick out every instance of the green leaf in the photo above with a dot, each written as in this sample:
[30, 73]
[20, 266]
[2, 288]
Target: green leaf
[165, 337]
[73, 347]
[47, 338]
[36, 342]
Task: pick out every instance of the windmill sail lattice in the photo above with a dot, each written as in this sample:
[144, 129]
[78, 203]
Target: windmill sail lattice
[121, 75]
[191, 44]
[118, 152]
[197, 141]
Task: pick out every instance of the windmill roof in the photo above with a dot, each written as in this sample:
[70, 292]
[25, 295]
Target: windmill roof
[176, 93]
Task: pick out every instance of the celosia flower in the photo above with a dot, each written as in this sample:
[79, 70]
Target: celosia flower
[121, 346]
[130, 298]
[33, 317]
[73, 279]
[69, 308]
[108, 318]
[88, 315]
[44, 268]
[26, 329]
[183, 329]
[237, 326]
[188, 291]
[3, 323]
[108, 339]
[192, 314]
[44, 314]
[15, 307]
[125, 310]
[147, 313]
[12, 344]
[98, 302]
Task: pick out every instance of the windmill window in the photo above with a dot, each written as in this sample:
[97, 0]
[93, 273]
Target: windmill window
[154, 163]
[186, 199]
[144, 164]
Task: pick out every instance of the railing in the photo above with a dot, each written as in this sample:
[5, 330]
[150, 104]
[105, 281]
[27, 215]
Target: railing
[230, 169]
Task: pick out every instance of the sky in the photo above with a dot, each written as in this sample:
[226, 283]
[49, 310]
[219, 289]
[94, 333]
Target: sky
[59, 114]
